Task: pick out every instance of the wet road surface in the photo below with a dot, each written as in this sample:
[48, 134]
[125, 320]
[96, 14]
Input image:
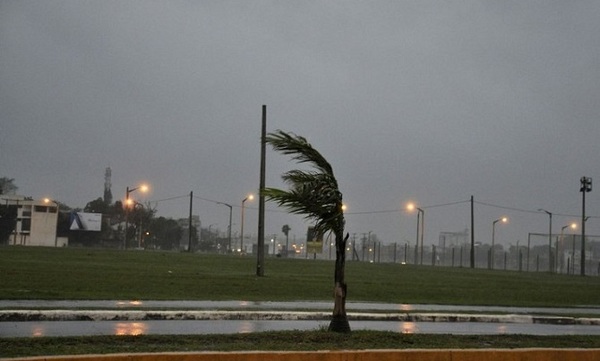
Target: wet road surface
[211, 317]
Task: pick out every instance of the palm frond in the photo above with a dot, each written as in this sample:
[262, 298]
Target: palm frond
[299, 148]
[315, 193]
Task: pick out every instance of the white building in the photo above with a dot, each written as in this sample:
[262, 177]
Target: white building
[37, 222]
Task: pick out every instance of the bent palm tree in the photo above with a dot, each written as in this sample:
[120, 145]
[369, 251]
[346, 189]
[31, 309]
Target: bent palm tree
[316, 195]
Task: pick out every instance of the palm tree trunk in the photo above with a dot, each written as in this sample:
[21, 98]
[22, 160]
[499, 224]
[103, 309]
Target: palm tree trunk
[339, 321]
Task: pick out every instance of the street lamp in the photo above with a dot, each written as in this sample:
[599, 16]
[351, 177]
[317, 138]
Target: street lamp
[562, 243]
[143, 188]
[586, 186]
[249, 197]
[48, 200]
[228, 228]
[420, 228]
[503, 220]
[549, 239]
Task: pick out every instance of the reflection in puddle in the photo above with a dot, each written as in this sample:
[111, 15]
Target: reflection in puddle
[405, 307]
[130, 328]
[408, 327]
[38, 331]
[246, 327]
[129, 303]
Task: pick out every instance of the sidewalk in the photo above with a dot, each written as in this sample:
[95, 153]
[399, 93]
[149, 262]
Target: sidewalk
[114, 310]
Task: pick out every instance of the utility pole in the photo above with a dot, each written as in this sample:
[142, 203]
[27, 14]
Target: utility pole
[260, 269]
[190, 223]
[472, 234]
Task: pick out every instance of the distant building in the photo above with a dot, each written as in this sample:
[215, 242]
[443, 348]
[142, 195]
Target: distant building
[37, 222]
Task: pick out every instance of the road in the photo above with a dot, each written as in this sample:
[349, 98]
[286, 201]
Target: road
[76, 318]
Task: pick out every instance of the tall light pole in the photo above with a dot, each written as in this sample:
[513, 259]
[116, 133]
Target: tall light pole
[48, 200]
[249, 197]
[422, 212]
[503, 220]
[549, 239]
[143, 188]
[420, 228]
[586, 186]
[562, 241]
[228, 228]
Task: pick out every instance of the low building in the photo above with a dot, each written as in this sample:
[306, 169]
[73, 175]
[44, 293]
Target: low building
[37, 222]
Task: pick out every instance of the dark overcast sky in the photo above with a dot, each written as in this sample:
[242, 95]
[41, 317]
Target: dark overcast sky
[429, 101]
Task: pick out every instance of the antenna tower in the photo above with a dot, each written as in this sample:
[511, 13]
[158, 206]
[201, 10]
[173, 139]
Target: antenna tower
[107, 185]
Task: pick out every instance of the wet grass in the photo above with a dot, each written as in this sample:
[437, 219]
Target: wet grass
[66, 273]
[279, 341]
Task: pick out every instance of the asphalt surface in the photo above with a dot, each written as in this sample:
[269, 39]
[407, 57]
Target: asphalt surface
[27, 318]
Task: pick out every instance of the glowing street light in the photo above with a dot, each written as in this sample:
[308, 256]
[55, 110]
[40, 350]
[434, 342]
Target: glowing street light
[420, 228]
[142, 188]
[562, 243]
[249, 197]
[503, 220]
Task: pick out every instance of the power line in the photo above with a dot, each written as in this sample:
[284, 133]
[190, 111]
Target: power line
[514, 209]
[401, 210]
[528, 210]
[169, 199]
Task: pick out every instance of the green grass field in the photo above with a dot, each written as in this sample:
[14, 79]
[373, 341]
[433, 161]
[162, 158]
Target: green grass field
[67, 273]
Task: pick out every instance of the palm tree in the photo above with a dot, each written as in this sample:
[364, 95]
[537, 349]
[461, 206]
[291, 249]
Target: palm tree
[315, 194]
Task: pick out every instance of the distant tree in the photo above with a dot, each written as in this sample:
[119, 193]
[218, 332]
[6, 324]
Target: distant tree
[316, 195]
[139, 218]
[7, 186]
[8, 221]
[164, 233]
[98, 206]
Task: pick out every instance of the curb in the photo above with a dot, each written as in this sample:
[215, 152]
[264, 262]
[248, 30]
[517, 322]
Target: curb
[366, 355]
[146, 315]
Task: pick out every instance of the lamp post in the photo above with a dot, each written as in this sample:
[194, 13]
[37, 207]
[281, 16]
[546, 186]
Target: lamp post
[48, 200]
[549, 239]
[420, 229]
[586, 186]
[249, 197]
[143, 188]
[228, 228]
[503, 220]
[422, 212]
[562, 241]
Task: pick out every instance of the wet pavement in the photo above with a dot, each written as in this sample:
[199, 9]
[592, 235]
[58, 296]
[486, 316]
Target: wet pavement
[87, 328]
[297, 305]
[39, 318]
